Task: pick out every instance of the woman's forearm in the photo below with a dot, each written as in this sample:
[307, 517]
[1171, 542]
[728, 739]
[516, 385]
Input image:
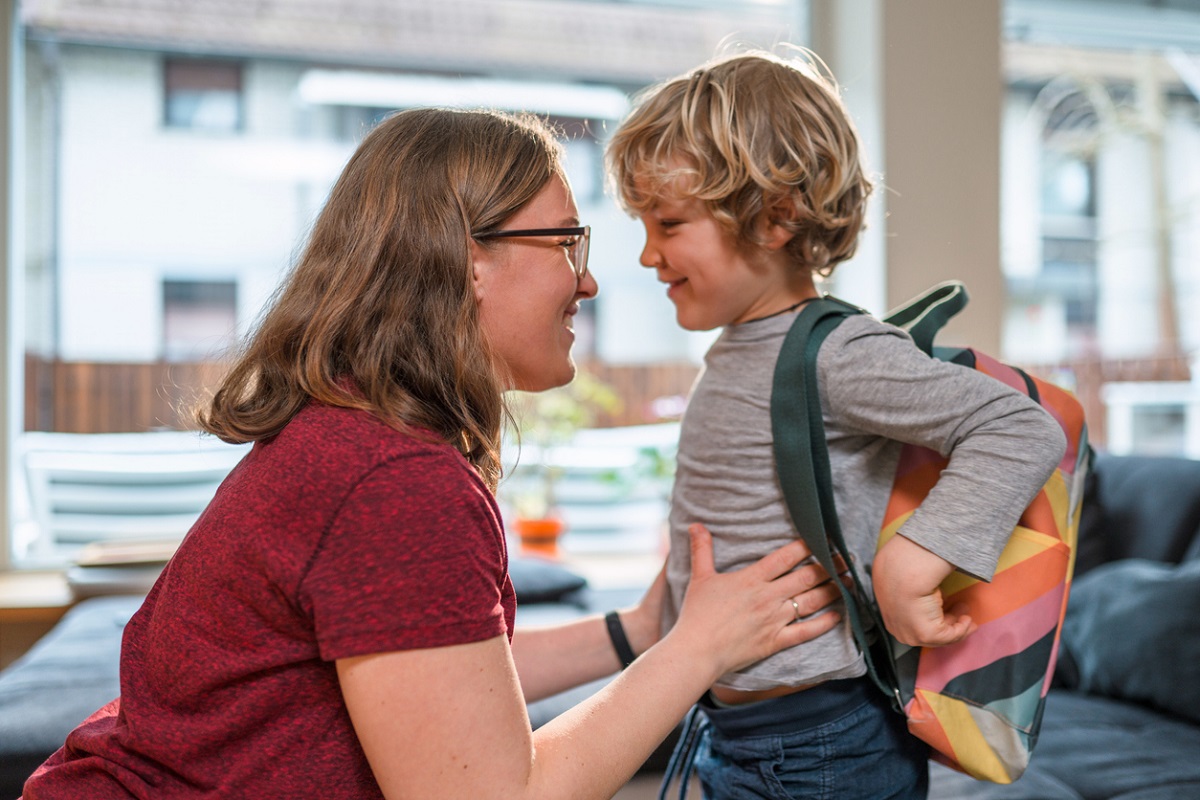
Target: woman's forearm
[555, 658]
[552, 659]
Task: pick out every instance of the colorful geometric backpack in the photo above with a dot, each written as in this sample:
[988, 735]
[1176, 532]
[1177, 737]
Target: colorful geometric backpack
[978, 703]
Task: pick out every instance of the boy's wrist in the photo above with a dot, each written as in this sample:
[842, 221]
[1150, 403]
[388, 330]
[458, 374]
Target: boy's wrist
[915, 556]
[905, 573]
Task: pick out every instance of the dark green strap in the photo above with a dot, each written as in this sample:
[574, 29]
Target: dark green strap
[792, 407]
[928, 313]
[802, 463]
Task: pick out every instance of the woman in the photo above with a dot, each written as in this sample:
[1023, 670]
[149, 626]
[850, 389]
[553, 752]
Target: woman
[337, 623]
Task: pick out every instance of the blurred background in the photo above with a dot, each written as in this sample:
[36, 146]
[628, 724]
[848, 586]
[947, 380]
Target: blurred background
[166, 159]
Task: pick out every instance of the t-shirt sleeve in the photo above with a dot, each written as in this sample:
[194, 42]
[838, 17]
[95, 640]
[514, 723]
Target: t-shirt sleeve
[414, 558]
[1001, 445]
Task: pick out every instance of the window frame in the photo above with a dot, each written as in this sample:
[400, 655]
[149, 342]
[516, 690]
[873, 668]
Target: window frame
[11, 284]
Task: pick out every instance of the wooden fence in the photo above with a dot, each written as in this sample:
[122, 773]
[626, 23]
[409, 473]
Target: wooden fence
[90, 397]
[1087, 377]
[85, 397]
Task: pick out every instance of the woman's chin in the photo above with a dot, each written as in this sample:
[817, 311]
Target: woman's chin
[542, 383]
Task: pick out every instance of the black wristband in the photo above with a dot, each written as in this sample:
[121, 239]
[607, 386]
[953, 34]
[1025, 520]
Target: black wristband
[620, 643]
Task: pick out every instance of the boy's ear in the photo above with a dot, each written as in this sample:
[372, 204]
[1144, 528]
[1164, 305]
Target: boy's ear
[774, 229]
[777, 235]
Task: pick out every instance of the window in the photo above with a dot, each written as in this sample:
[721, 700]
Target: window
[1067, 181]
[202, 95]
[1069, 251]
[199, 319]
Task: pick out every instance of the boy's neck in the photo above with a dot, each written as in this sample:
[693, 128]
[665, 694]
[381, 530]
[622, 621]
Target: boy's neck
[799, 290]
[793, 307]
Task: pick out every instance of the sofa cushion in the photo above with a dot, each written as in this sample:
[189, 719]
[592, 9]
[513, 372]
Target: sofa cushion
[1140, 507]
[1131, 633]
[1114, 750]
[1095, 748]
[68, 674]
[537, 580]
[946, 784]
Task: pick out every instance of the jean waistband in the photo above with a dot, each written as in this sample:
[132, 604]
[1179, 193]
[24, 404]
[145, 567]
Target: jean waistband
[792, 712]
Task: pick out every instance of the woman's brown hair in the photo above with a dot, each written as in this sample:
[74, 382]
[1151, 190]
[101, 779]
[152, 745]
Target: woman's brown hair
[379, 312]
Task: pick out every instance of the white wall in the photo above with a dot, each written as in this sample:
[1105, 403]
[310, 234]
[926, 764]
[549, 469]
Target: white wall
[1020, 197]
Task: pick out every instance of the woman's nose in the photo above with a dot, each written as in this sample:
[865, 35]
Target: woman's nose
[588, 286]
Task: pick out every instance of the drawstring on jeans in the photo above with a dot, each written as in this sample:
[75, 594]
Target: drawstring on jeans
[683, 760]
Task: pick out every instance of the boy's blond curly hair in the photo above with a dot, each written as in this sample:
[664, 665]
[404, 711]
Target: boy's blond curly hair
[750, 134]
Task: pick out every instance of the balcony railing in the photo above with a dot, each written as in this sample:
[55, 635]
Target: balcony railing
[90, 397]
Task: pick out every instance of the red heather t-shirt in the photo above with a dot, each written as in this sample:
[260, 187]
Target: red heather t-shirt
[340, 537]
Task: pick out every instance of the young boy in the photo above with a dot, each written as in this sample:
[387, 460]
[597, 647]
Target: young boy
[747, 177]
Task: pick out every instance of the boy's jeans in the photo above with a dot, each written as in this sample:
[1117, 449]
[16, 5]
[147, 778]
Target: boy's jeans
[840, 740]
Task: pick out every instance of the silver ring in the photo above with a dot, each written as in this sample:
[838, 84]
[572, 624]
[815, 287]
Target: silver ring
[796, 606]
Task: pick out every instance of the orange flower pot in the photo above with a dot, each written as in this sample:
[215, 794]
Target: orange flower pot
[540, 536]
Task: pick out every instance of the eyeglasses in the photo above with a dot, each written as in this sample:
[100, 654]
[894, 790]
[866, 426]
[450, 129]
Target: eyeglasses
[577, 246]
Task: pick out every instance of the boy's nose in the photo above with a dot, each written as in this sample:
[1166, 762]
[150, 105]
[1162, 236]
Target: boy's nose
[650, 257]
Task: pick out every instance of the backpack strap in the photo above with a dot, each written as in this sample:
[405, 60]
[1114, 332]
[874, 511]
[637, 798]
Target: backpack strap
[802, 464]
[928, 312]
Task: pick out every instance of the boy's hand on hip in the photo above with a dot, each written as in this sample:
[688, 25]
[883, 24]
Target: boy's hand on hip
[906, 578]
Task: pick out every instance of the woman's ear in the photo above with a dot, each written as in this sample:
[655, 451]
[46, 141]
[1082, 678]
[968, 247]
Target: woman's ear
[482, 262]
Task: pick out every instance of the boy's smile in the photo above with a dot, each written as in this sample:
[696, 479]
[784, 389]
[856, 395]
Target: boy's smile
[671, 285]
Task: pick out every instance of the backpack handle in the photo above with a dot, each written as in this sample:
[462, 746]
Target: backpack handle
[927, 313]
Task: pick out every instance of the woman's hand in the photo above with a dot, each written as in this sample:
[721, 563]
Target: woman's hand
[740, 617]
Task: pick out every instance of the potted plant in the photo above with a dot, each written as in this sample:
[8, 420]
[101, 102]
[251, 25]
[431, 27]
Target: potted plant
[547, 421]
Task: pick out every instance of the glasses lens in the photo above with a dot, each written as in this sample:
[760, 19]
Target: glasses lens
[579, 255]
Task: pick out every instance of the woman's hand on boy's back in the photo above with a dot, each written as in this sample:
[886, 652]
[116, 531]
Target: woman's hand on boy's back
[743, 616]
[906, 577]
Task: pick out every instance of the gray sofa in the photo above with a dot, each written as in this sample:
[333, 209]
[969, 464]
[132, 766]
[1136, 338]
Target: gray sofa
[1121, 723]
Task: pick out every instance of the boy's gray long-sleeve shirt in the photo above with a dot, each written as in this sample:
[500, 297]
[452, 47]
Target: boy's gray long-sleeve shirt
[877, 391]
